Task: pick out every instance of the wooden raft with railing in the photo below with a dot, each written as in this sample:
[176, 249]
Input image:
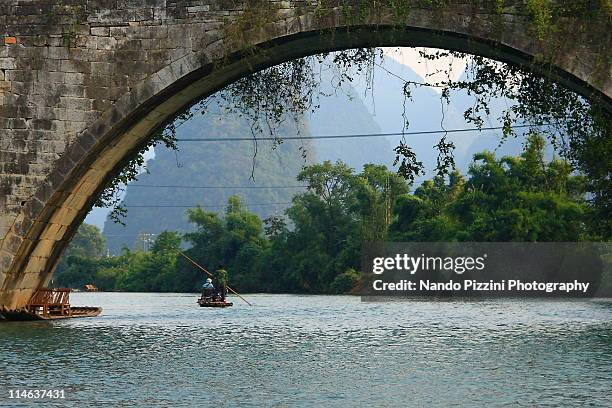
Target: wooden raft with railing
[50, 304]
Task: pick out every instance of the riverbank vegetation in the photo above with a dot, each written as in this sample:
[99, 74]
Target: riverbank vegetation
[315, 247]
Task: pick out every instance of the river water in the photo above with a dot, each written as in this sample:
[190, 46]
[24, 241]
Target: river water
[161, 350]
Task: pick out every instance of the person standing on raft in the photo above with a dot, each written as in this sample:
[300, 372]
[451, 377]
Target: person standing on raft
[221, 278]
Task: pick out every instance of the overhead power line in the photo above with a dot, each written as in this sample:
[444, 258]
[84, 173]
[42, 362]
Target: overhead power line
[213, 187]
[134, 234]
[202, 206]
[352, 136]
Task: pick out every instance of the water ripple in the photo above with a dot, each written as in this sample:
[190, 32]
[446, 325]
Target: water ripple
[161, 350]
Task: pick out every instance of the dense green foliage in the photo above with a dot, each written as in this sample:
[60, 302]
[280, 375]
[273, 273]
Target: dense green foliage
[508, 199]
[316, 248]
[87, 243]
[136, 271]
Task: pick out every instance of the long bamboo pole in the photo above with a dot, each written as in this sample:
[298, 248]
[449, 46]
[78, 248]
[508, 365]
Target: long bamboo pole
[212, 276]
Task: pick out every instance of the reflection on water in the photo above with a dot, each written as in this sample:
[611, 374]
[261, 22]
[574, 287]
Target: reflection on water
[162, 350]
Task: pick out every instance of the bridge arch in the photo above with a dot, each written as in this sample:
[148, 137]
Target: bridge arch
[65, 189]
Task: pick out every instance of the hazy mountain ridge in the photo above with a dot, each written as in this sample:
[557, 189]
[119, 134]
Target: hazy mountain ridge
[228, 165]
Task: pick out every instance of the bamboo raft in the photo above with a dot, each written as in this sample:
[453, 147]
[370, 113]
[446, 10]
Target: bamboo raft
[51, 304]
[203, 302]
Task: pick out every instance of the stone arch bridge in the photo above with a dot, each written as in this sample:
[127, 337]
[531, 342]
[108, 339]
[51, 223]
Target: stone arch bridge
[84, 83]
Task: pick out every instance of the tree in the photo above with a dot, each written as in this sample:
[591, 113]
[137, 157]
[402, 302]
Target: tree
[339, 211]
[377, 190]
[237, 240]
[520, 198]
[87, 243]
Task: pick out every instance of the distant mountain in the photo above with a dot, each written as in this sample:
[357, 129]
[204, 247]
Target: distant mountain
[426, 113]
[344, 113]
[219, 169]
[488, 140]
[228, 165]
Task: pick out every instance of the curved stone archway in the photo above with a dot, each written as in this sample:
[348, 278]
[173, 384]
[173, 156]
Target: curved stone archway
[76, 106]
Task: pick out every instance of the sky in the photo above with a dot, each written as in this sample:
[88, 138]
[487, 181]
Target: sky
[425, 68]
